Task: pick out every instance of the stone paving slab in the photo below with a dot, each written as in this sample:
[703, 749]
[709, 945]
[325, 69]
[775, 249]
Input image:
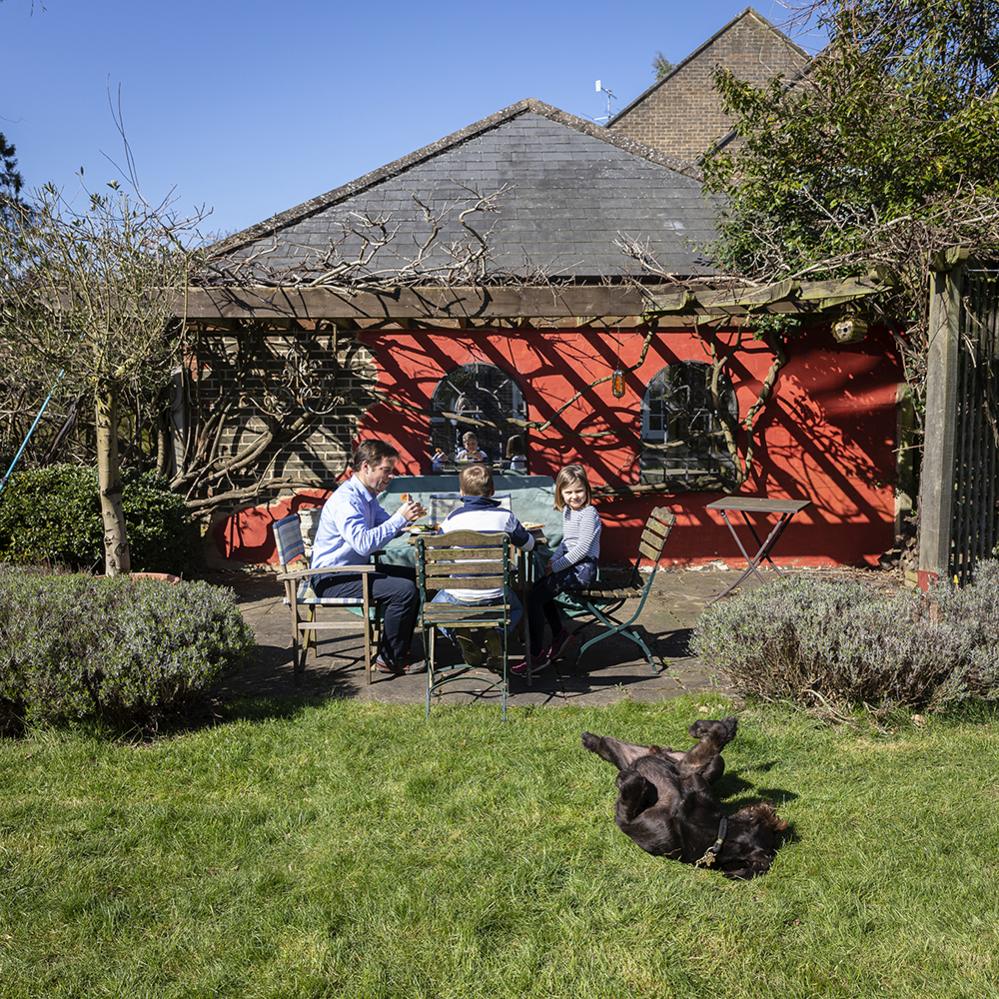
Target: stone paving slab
[610, 671]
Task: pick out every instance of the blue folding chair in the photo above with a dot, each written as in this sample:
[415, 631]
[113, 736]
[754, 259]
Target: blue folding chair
[304, 604]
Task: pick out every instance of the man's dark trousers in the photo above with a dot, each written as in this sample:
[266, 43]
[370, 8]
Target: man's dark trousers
[393, 588]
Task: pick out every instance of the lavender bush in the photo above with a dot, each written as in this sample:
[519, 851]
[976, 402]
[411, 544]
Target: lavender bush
[838, 644]
[119, 650]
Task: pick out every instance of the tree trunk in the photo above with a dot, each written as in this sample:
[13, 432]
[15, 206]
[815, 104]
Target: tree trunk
[116, 556]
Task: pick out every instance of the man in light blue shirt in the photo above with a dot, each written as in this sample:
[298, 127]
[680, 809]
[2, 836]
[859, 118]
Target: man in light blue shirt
[354, 525]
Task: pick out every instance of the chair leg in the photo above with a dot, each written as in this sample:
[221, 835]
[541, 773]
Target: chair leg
[505, 689]
[612, 627]
[310, 639]
[625, 632]
[428, 652]
[293, 608]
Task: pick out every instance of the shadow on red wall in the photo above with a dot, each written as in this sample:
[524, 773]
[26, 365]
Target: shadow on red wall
[826, 435]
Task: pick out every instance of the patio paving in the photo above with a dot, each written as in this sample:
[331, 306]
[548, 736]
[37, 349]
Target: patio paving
[611, 670]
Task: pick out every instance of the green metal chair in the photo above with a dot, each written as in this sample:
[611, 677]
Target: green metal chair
[465, 560]
[602, 603]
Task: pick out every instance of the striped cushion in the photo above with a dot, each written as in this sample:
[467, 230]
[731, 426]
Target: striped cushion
[288, 538]
[306, 595]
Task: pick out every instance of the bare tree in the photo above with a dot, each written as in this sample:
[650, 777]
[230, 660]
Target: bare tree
[89, 293]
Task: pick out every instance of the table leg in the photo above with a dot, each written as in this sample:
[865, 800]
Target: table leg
[760, 545]
[524, 562]
[763, 552]
[772, 539]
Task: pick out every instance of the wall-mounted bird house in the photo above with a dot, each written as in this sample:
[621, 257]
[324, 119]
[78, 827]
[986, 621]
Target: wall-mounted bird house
[849, 329]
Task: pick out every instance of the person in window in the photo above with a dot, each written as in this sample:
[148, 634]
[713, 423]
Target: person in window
[516, 454]
[470, 450]
[437, 461]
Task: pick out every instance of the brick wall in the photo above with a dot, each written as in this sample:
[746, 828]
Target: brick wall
[683, 116]
[254, 374]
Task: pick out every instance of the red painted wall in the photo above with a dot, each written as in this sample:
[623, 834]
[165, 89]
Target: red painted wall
[827, 433]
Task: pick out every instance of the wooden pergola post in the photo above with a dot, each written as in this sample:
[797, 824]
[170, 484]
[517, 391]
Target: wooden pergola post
[936, 491]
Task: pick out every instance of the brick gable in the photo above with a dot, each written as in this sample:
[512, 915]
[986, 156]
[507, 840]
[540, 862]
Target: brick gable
[682, 114]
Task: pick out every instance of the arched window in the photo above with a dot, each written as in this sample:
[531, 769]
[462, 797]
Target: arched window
[482, 399]
[683, 443]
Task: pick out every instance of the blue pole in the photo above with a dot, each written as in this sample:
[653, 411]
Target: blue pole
[24, 443]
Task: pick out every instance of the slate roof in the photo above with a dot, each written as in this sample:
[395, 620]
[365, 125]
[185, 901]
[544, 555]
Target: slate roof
[572, 189]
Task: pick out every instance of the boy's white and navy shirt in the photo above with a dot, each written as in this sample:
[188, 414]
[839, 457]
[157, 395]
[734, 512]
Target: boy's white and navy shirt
[484, 514]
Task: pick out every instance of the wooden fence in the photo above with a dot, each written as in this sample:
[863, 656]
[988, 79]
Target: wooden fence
[958, 515]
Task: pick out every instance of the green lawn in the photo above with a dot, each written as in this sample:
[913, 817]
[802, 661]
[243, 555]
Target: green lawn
[355, 850]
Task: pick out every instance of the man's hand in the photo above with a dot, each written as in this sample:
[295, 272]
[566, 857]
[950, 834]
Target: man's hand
[412, 511]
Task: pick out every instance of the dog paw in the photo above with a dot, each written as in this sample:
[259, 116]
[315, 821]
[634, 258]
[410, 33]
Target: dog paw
[722, 729]
[591, 742]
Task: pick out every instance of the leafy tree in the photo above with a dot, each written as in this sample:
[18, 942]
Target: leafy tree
[90, 293]
[661, 66]
[883, 154]
[11, 181]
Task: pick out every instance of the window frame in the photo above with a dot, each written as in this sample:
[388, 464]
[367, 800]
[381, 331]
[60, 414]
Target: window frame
[491, 440]
[697, 467]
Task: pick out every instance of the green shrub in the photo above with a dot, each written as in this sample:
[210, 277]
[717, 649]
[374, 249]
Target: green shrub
[52, 516]
[117, 650]
[836, 644]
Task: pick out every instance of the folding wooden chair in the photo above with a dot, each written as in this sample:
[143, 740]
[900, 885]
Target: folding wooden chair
[602, 603]
[304, 604]
[464, 560]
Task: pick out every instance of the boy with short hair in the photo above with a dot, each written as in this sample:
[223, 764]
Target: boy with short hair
[480, 512]
[470, 450]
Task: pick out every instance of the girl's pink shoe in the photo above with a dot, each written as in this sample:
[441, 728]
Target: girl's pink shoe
[560, 643]
[538, 663]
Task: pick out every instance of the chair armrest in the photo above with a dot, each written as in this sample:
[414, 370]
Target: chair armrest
[323, 570]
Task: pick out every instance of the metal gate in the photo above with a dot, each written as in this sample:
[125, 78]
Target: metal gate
[959, 521]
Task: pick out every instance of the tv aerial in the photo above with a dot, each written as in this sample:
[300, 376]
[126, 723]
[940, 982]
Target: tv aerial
[610, 95]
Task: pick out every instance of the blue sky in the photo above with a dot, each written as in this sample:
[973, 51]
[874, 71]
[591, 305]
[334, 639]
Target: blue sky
[252, 107]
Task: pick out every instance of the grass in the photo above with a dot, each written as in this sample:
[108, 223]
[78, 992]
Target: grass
[355, 850]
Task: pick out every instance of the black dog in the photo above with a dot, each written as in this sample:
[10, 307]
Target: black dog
[666, 806]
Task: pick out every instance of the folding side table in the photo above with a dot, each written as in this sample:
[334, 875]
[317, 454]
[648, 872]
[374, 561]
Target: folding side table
[785, 510]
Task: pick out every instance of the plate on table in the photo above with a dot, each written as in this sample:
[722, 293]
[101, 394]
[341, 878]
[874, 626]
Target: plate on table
[534, 527]
[417, 529]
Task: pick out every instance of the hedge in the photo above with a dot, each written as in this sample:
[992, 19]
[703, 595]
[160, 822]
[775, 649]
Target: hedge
[52, 516]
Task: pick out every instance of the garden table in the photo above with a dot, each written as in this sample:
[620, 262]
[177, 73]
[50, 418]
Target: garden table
[785, 510]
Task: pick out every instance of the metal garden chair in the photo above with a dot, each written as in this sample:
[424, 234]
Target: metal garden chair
[464, 560]
[304, 604]
[602, 603]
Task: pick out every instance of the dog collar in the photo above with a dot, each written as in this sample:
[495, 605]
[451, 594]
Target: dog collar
[711, 853]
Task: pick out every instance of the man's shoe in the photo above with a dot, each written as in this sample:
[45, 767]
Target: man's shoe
[380, 665]
[472, 653]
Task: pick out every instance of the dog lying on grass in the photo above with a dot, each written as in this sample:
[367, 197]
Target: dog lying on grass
[666, 806]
